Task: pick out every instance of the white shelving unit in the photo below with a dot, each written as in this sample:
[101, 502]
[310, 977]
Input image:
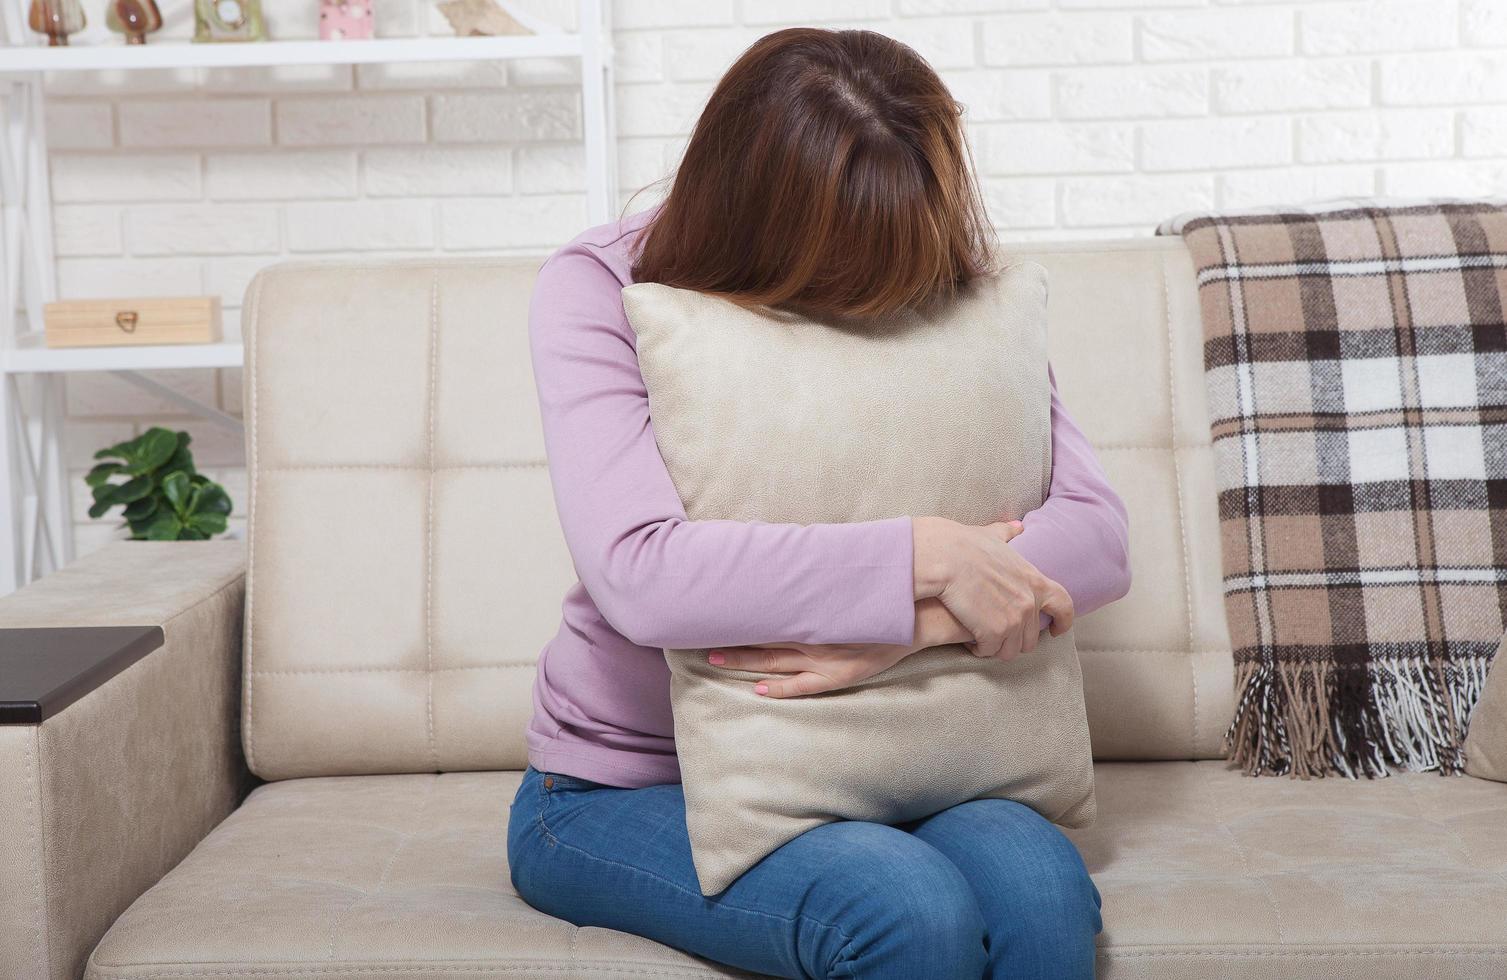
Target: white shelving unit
[34, 493]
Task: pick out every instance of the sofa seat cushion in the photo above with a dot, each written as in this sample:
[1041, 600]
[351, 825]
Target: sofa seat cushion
[367, 878]
[1277, 878]
[1204, 873]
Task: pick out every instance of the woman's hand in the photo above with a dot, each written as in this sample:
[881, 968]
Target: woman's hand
[806, 668]
[936, 626]
[980, 566]
[797, 669]
[993, 592]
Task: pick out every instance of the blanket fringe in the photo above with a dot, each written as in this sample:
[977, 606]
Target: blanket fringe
[1315, 718]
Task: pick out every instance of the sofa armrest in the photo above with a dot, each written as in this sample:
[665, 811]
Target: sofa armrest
[123, 751]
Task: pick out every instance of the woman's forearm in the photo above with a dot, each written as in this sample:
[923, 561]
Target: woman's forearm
[1080, 536]
[688, 584]
[659, 579]
[662, 580]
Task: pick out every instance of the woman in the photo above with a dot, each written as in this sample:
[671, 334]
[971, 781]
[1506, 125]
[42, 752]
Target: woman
[827, 173]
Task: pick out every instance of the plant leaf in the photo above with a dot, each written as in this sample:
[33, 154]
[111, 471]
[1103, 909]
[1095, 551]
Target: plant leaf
[139, 509]
[212, 499]
[157, 446]
[133, 489]
[207, 523]
[164, 528]
[99, 507]
[192, 534]
[175, 487]
[121, 450]
[182, 459]
[101, 473]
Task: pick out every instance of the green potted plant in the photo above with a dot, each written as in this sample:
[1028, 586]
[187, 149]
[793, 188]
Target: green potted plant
[164, 496]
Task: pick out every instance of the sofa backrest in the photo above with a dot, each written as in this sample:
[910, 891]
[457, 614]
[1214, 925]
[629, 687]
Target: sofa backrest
[406, 565]
[1127, 349]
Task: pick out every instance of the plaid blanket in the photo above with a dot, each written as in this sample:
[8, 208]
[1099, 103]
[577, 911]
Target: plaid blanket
[1356, 364]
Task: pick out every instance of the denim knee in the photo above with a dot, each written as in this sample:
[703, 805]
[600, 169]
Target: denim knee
[922, 921]
[1063, 883]
[1049, 927]
[1040, 907]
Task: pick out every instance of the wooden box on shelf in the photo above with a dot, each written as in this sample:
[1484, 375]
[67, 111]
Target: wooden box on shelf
[142, 320]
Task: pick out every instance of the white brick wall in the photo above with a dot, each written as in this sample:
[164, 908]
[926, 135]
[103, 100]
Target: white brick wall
[1087, 117]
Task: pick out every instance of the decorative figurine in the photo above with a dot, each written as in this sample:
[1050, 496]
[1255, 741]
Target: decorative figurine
[228, 20]
[133, 18]
[481, 18]
[56, 18]
[345, 20]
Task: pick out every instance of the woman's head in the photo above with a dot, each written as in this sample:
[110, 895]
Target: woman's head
[828, 173]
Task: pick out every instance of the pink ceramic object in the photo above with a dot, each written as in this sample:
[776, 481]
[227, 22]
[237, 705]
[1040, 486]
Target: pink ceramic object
[345, 20]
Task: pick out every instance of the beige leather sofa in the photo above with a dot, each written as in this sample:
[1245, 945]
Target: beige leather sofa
[371, 649]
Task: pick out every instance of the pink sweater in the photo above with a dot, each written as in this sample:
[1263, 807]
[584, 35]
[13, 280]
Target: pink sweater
[650, 578]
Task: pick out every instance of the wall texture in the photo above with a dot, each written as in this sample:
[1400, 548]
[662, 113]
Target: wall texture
[1087, 118]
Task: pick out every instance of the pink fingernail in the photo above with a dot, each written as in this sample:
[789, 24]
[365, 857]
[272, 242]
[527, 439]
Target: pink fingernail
[1018, 524]
[761, 689]
[716, 659]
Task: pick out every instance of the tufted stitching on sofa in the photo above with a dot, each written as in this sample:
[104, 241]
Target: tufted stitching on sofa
[1177, 480]
[434, 351]
[1082, 648]
[526, 464]
[321, 882]
[1448, 828]
[407, 834]
[1156, 447]
[392, 859]
[448, 461]
[286, 294]
[277, 812]
[387, 265]
[37, 844]
[254, 315]
[616, 968]
[296, 671]
[628, 968]
[1245, 861]
[1285, 950]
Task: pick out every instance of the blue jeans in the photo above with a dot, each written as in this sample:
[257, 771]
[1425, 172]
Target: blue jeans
[986, 889]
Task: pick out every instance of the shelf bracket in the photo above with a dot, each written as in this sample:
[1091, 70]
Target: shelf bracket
[191, 405]
[35, 532]
[35, 543]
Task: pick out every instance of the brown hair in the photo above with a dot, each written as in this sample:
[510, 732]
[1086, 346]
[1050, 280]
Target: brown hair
[829, 174]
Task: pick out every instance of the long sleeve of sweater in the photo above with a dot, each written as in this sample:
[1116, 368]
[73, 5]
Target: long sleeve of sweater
[1080, 535]
[658, 578]
[650, 578]
[662, 580]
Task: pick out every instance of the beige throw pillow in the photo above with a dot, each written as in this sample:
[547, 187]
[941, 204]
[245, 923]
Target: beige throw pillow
[1486, 738]
[768, 416]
